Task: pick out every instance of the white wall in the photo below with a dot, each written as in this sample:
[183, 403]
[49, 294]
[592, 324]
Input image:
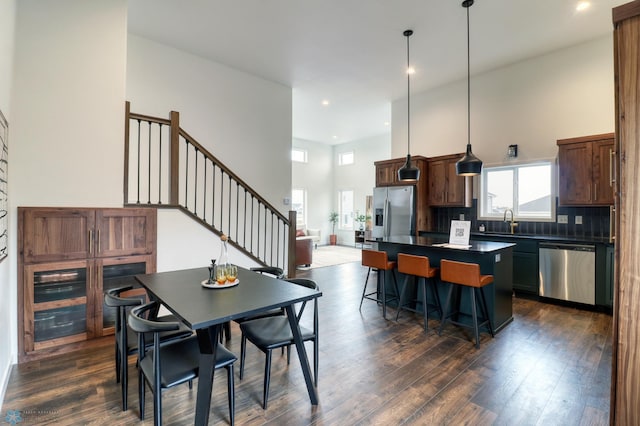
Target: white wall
[360, 176]
[7, 318]
[531, 103]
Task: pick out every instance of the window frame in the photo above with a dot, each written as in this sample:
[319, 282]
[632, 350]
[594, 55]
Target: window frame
[515, 168]
[304, 207]
[341, 156]
[305, 155]
[348, 226]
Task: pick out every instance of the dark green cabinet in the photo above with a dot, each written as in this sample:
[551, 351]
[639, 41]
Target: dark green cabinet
[525, 272]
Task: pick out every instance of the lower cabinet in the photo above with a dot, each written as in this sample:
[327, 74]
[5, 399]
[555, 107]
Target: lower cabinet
[525, 272]
[64, 301]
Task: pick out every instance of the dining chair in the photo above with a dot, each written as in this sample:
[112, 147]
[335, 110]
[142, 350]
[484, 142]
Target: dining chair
[275, 332]
[165, 366]
[127, 343]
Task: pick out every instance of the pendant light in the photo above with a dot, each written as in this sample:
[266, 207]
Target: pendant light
[408, 173]
[469, 165]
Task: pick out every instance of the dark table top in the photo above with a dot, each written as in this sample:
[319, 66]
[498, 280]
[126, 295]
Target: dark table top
[199, 307]
[436, 243]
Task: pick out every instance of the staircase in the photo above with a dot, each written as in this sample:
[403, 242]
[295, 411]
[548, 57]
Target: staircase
[164, 167]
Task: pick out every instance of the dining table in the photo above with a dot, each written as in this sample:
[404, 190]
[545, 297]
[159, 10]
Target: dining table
[205, 308]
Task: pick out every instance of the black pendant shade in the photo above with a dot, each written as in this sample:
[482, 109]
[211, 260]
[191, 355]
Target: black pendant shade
[407, 173]
[469, 165]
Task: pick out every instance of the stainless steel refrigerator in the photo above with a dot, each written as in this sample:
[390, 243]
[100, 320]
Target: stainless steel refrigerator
[394, 211]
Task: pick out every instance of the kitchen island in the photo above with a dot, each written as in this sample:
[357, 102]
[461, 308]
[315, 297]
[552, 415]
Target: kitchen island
[494, 258]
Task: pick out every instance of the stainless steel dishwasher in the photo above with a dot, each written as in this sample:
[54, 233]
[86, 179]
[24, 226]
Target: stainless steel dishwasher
[568, 272]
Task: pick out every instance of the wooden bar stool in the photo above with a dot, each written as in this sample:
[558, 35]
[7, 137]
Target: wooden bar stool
[378, 260]
[419, 267]
[466, 275]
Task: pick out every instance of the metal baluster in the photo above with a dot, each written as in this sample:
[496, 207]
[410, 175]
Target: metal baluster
[213, 195]
[237, 208]
[195, 187]
[149, 167]
[204, 193]
[186, 173]
[221, 197]
[229, 209]
[138, 201]
[160, 168]
[251, 248]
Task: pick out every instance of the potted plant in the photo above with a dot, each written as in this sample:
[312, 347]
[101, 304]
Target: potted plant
[361, 219]
[333, 218]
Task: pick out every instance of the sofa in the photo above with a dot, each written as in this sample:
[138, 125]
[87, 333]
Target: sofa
[304, 252]
[304, 233]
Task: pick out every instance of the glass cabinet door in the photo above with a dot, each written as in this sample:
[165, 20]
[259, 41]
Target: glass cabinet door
[58, 308]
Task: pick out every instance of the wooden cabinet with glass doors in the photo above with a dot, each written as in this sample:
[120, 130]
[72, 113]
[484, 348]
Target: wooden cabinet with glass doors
[68, 258]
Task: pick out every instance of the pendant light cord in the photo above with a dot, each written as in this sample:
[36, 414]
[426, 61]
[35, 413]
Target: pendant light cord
[408, 99]
[468, 81]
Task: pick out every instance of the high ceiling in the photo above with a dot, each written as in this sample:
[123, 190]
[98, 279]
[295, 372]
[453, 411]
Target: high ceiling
[353, 53]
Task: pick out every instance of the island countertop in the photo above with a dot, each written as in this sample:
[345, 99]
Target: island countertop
[440, 243]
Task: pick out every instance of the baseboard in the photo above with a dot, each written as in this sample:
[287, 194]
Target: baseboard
[6, 371]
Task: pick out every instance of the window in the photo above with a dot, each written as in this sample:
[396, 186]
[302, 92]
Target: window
[345, 158]
[298, 203]
[299, 155]
[527, 189]
[346, 209]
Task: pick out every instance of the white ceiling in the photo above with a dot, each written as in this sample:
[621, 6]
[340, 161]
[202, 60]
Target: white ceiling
[353, 53]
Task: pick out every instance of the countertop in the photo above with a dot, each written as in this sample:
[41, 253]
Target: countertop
[435, 243]
[540, 238]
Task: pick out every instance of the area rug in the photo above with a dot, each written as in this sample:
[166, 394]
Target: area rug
[335, 255]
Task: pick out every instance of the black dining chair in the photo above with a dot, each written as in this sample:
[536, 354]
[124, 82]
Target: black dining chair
[127, 343]
[274, 332]
[165, 366]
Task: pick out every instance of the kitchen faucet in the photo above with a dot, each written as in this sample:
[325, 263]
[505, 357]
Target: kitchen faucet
[512, 222]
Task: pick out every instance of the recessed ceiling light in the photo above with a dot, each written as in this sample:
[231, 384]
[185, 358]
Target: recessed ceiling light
[386, 123]
[582, 5]
[325, 102]
[411, 70]
[335, 137]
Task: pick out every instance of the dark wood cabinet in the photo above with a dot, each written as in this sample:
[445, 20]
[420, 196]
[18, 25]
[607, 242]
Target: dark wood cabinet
[68, 257]
[446, 188]
[586, 171]
[387, 175]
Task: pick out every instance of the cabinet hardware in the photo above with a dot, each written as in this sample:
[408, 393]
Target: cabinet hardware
[612, 179]
[90, 241]
[612, 224]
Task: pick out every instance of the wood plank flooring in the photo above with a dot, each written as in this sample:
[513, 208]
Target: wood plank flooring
[551, 366]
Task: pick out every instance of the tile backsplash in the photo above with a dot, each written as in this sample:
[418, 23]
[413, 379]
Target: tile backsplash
[595, 222]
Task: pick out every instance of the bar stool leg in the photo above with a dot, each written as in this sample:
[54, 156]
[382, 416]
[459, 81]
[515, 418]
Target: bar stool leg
[384, 292]
[404, 287]
[446, 308]
[364, 291]
[474, 313]
[425, 307]
[486, 312]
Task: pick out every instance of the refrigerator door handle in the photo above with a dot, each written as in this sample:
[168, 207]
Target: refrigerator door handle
[386, 219]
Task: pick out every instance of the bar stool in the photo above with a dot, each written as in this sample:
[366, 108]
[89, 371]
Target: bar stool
[466, 275]
[419, 267]
[378, 260]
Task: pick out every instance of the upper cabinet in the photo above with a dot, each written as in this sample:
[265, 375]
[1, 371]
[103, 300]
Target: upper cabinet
[58, 234]
[586, 174]
[446, 188]
[387, 175]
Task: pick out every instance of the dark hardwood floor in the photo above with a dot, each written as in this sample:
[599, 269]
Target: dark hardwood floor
[551, 366]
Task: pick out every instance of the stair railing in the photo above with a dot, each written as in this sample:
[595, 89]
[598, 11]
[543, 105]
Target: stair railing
[165, 167]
